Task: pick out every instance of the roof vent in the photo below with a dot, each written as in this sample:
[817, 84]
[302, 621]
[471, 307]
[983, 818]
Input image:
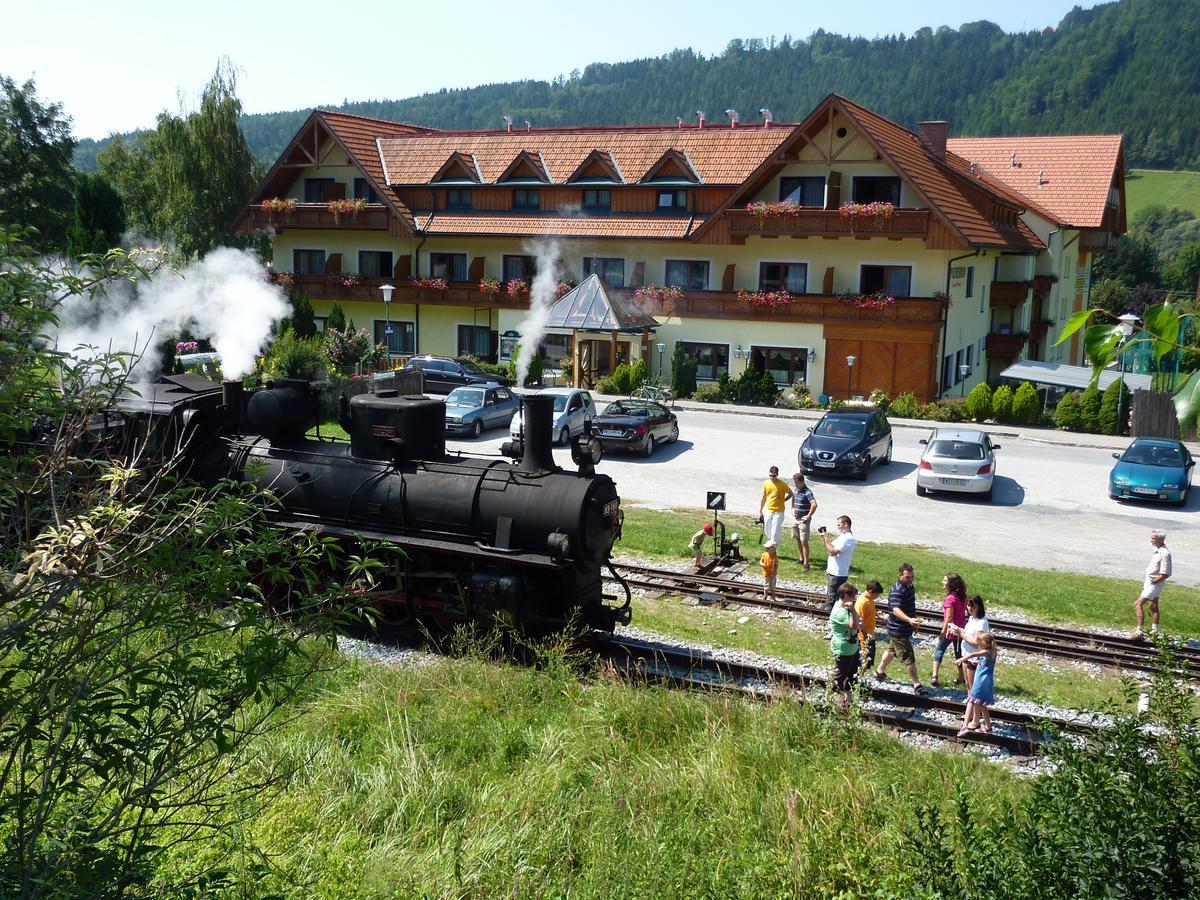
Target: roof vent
[768, 116]
[733, 117]
[933, 136]
[679, 121]
[528, 125]
[700, 116]
[507, 122]
[1012, 160]
[1041, 178]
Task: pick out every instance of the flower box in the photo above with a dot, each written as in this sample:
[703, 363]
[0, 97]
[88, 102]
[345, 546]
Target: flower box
[341, 208]
[489, 286]
[766, 298]
[876, 300]
[517, 288]
[668, 294]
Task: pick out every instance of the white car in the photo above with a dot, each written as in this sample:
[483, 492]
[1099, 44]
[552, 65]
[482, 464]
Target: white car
[957, 460]
[572, 408]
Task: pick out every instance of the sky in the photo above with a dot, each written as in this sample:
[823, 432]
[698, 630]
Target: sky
[114, 67]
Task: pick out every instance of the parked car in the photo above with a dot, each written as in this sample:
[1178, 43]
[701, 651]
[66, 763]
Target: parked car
[572, 408]
[962, 460]
[636, 425]
[469, 410]
[1152, 469]
[442, 374]
[847, 442]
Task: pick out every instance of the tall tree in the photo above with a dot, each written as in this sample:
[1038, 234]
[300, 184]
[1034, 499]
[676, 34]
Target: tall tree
[36, 180]
[99, 218]
[188, 178]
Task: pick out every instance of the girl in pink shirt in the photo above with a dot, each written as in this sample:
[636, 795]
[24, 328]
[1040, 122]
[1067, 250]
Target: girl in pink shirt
[954, 617]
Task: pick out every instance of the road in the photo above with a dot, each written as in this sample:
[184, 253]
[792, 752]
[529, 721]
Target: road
[1050, 508]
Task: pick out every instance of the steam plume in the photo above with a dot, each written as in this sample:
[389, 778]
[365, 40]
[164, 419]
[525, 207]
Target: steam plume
[541, 298]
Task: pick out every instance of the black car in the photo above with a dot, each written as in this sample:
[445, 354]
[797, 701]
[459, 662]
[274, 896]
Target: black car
[635, 425]
[442, 375]
[846, 442]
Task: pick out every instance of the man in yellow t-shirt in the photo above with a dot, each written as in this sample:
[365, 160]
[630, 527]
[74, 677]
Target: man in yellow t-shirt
[865, 607]
[773, 504]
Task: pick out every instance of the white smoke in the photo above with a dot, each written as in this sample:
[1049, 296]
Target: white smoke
[223, 297]
[541, 298]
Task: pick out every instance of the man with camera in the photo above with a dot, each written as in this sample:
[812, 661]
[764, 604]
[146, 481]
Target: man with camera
[841, 554]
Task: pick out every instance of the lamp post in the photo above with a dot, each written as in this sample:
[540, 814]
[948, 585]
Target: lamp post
[850, 361]
[660, 347]
[963, 372]
[386, 290]
[1128, 323]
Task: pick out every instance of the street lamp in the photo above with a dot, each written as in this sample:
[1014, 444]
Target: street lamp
[850, 361]
[963, 372]
[1128, 323]
[661, 347]
[387, 290]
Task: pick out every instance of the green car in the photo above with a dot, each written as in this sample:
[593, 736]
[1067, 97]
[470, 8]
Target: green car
[1152, 469]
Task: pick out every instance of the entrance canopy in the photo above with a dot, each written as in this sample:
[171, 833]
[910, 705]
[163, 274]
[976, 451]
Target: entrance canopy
[591, 307]
[1070, 377]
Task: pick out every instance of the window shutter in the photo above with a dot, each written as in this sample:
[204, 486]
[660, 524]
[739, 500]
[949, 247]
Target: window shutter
[827, 283]
[833, 191]
[475, 273]
[333, 264]
[333, 190]
[403, 266]
[727, 278]
[639, 274]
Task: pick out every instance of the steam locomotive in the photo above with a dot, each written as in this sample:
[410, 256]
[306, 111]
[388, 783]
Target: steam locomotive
[516, 542]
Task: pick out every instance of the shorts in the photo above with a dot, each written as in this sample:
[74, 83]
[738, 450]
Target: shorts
[942, 643]
[868, 652]
[769, 582]
[801, 529]
[1152, 591]
[902, 649]
[845, 671]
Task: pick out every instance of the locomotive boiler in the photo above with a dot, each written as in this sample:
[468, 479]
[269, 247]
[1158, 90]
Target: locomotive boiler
[517, 542]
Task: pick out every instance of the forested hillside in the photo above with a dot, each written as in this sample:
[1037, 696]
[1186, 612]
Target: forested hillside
[1121, 67]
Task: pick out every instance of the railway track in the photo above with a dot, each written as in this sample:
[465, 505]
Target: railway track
[1121, 653]
[1014, 732]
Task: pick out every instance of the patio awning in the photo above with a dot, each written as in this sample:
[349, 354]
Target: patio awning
[1071, 377]
[593, 306]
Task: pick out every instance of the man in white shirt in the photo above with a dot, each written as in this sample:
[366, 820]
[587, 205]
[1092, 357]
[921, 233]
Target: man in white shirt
[1157, 574]
[841, 554]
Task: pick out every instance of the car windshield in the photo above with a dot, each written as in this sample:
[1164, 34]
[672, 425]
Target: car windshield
[835, 426]
[460, 397]
[956, 449]
[1148, 455]
[560, 402]
[471, 367]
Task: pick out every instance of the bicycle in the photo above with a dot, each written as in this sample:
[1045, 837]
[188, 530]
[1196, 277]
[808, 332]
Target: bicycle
[653, 389]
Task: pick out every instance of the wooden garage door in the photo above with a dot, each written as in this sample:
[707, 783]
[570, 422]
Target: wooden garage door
[895, 366]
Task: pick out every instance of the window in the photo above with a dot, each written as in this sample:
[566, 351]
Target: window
[403, 338]
[526, 199]
[308, 262]
[314, 189]
[808, 190]
[792, 277]
[896, 280]
[364, 191]
[712, 360]
[689, 274]
[450, 266]
[611, 271]
[597, 200]
[459, 198]
[786, 365]
[958, 364]
[947, 374]
[970, 351]
[555, 348]
[375, 263]
[970, 281]
[877, 189]
[474, 340]
[671, 200]
[523, 267]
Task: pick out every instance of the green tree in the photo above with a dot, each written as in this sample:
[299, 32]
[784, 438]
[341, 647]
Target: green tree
[336, 318]
[1026, 408]
[1067, 415]
[1089, 410]
[188, 178]
[1183, 272]
[99, 218]
[303, 322]
[1132, 261]
[1112, 296]
[1002, 402]
[36, 180]
[978, 405]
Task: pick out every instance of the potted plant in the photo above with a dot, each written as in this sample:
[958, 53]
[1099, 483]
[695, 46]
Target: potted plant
[667, 294]
[341, 208]
[489, 286]
[769, 299]
[281, 205]
[348, 279]
[517, 288]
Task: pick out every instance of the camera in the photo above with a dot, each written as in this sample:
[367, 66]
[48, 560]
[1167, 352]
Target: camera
[822, 529]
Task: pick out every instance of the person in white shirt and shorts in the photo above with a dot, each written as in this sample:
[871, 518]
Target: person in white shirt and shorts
[1157, 573]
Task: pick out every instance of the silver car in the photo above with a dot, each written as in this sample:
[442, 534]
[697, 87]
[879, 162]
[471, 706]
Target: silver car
[957, 460]
[572, 407]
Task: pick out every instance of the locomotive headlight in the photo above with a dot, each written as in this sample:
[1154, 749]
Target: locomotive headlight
[559, 545]
[586, 449]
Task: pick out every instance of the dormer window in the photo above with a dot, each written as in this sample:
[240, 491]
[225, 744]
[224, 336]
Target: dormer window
[524, 198]
[459, 198]
[597, 201]
[672, 201]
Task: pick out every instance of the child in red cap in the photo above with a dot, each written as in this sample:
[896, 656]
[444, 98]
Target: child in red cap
[698, 544]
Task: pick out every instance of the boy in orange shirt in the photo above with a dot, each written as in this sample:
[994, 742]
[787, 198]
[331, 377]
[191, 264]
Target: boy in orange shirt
[865, 607]
[770, 564]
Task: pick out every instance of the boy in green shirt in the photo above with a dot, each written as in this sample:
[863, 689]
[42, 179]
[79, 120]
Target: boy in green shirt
[843, 643]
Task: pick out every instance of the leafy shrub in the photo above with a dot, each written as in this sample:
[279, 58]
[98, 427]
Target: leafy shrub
[351, 347]
[709, 392]
[302, 319]
[1002, 402]
[684, 382]
[1116, 394]
[952, 411]
[1026, 408]
[292, 356]
[905, 406]
[1089, 410]
[880, 400]
[1068, 414]
[929, 411]
[608, 386]
[500, 370]
[638, 374]
[754, 388]
[621, 379]
[336, 318]
[978, 405]
[536, 366]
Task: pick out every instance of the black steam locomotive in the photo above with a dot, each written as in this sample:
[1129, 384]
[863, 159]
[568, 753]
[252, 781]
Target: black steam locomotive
[515, 542]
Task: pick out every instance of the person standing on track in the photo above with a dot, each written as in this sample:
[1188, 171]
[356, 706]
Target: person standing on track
[1157, 574]
[976, 623]
[773, 504]
[841, 554]
[843, 642]
[770, 567]
[954, 617]
[865, 607]
[983, 692]
[804, 505]
[902, 625]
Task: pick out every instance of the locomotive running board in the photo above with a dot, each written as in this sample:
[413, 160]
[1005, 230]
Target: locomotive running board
[532, 560]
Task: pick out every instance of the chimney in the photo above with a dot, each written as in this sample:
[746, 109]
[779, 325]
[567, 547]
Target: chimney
[700, 115]
[933, 135]
[508, 122]
[537, 414]
[768, 117]
[733, 117]
[679, 121]
[528, 125]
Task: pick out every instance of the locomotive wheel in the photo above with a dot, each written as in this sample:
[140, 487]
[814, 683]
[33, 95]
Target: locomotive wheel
[477, 428]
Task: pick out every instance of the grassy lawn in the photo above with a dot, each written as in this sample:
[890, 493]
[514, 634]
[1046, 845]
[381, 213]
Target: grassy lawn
[1145, 187]
[1051, 596]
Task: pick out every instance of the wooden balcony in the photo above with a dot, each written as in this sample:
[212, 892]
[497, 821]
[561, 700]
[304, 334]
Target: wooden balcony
[1009, 293]
[459, 293]
[1038, 329]
[1004, 346]
[903, 223]
[376, 217]
[814, 308]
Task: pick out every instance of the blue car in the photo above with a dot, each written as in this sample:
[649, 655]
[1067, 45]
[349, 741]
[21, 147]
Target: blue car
[1152, 469]
[469, 410]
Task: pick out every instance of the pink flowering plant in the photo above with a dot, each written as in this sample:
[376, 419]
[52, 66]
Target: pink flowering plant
[489, 286]
[351, 347]
[878, 209]
[345, 207]
[671, 292]
[876, 300]
[768, 210]
[563, 288]
[279, 205]
[766, 298]
[517, 287]
[283, 279]
[348, 279]
[187, 346]
[431, 284]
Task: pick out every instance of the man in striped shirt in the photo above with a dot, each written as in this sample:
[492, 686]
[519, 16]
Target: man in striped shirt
[804, 504]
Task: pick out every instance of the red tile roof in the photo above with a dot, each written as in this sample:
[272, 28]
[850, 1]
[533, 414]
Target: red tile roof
[524, 225]
[719, 155]
[1069, 176]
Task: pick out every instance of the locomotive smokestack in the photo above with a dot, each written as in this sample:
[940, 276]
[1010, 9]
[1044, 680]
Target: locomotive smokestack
[232, 398]
[538, 413]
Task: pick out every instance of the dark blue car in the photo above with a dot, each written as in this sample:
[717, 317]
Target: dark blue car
[1152, 469]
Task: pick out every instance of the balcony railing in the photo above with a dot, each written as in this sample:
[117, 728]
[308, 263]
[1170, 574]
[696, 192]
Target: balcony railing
[317, 215]
[1038, 329]
[803, 308]
[1009, 293]
[458, 293]
[1004, 346]
[913, 223]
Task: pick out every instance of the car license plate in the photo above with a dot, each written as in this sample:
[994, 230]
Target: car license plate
[1152, 491]
[823, 464]
[604, 432]
[959, 482]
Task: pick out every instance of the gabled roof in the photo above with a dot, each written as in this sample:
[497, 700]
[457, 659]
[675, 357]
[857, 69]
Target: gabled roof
[641, 227]
[526, 166]
[1069, 176]
[674, 165]
[598, 166]
[593, 306]
[459, 167]
[718, 155]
